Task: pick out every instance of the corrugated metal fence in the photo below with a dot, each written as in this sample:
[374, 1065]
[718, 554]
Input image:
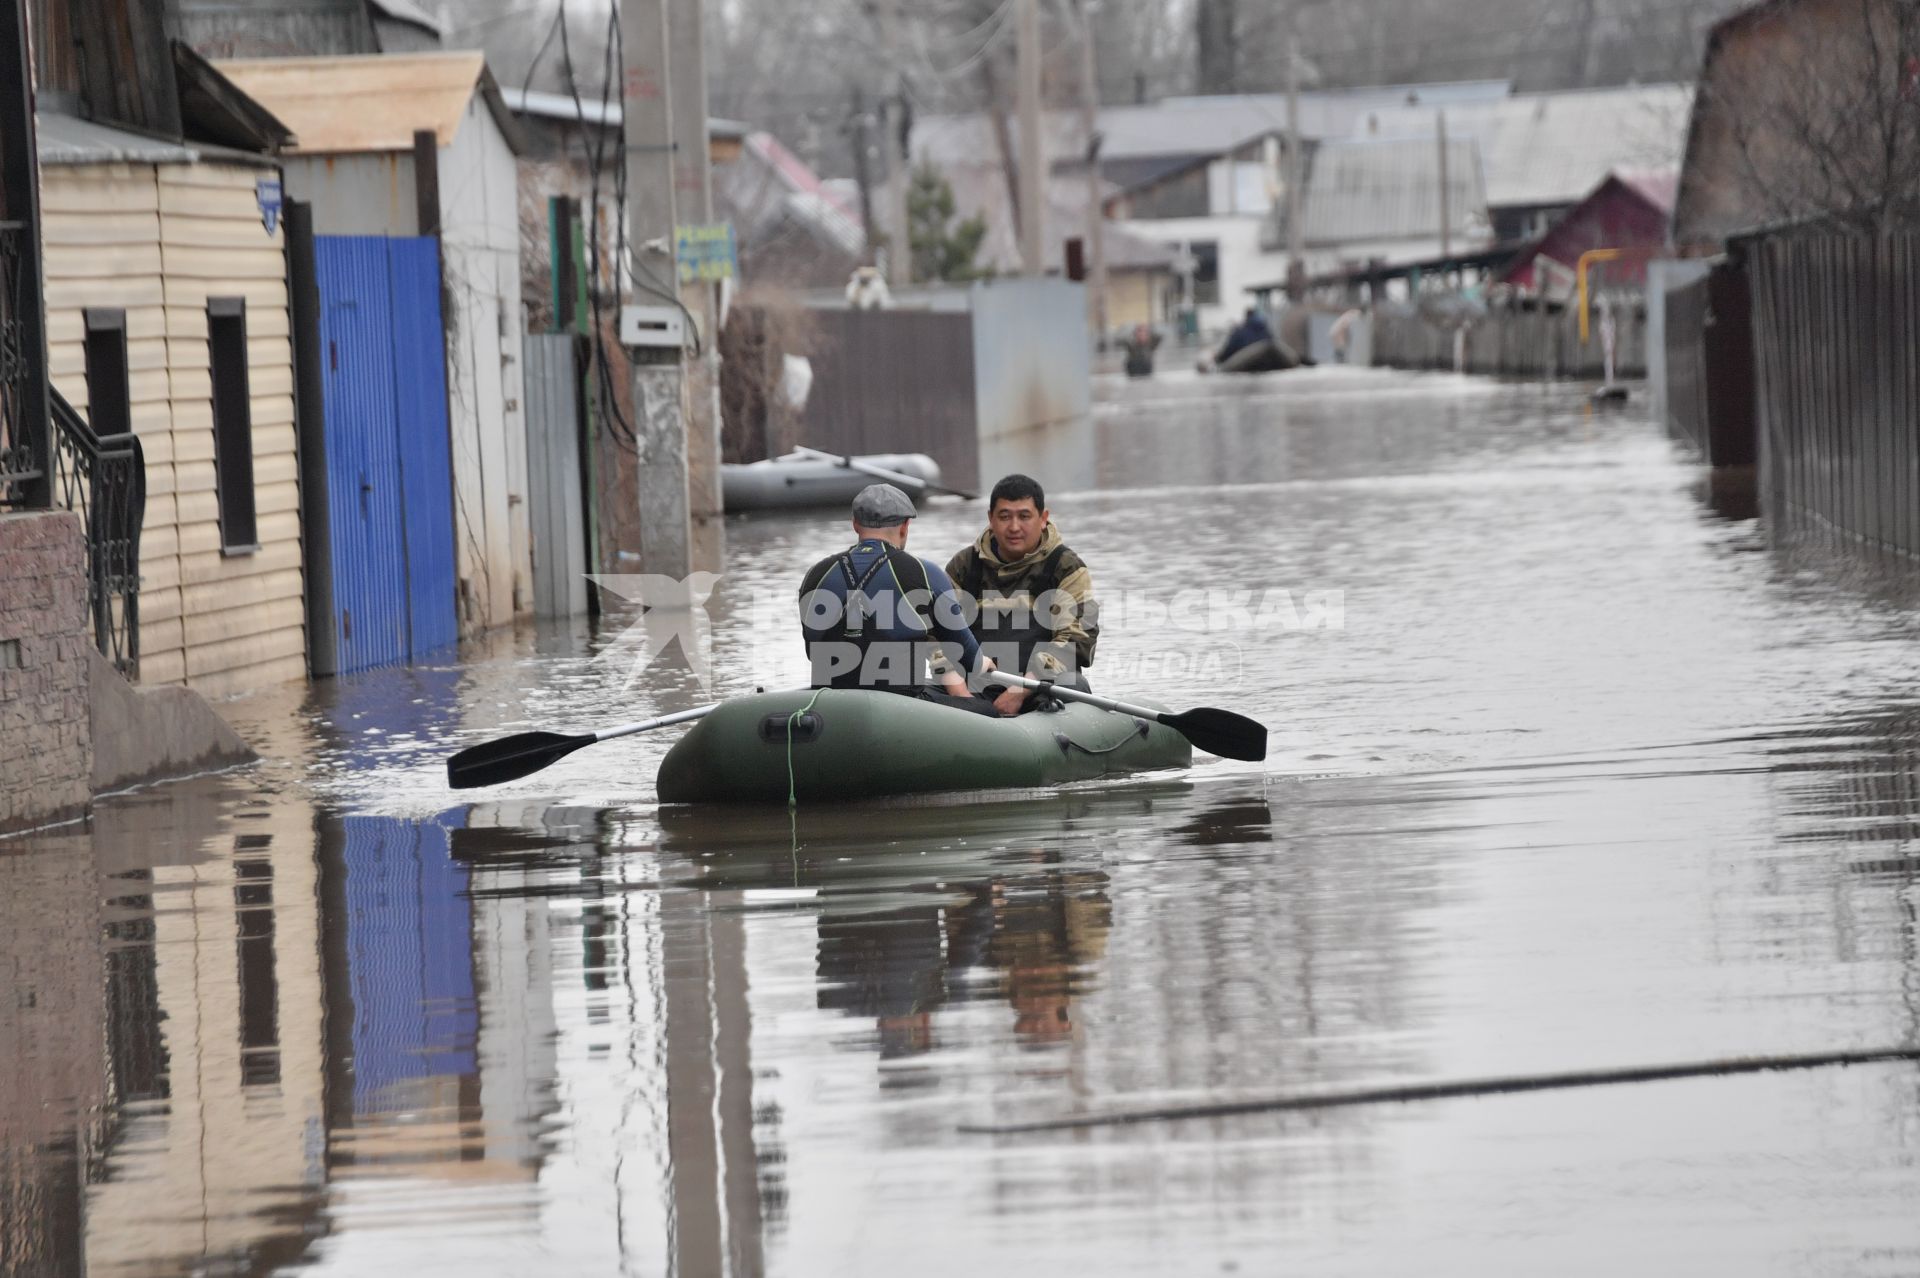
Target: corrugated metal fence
[896, 382]
[555, 491]
[1839, 382]
[1514, 343]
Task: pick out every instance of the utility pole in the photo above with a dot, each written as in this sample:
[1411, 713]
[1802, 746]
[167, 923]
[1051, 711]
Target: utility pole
[1033, 176]
[653, 340]
[1296, 233]
[860, 128]
[693, 206]
[1096, 216]
[893, 128]
[1446, 220]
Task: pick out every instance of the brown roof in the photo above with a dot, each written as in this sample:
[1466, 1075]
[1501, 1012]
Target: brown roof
[367, 103]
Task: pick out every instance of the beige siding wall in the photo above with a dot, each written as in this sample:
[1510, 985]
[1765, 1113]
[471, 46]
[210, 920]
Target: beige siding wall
[158, 242]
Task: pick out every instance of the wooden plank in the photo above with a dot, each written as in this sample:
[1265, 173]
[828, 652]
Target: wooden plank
[223, 203]
[237, 602]
[281, 632]
[94, 188]
[231, 262]
[185, 323]
[122, 291]
[160, 605]
[237, 179]
[273, 410]
[159, 574]
[271, 470]
[212, 566]
[261, 293]
[273, 528]
[94, 228]
[157, 544]
[160, 667]
[98, 262]
[190, 478]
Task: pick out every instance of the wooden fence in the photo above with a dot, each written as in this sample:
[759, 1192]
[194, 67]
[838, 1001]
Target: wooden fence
[1514, 344]
[1838, 381]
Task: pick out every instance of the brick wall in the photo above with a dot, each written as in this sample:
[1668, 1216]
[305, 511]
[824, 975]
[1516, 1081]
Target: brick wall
[46, 745]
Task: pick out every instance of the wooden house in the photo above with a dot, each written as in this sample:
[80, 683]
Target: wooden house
[167, 315]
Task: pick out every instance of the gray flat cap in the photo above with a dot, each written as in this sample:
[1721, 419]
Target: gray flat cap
[882, 506]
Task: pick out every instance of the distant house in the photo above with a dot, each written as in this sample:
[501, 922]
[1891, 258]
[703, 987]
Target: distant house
[1629, 210]
[1210, 212]
[1196, 176]
[1379, 200]
[1542, 153]
[793, 230]
[1833, 140]
[355, 161]
[1140, 277]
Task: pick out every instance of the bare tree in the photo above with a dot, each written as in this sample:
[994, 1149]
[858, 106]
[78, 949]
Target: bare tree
[1836, 139]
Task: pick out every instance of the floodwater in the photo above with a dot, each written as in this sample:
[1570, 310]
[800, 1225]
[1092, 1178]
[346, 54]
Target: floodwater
[1574, 771]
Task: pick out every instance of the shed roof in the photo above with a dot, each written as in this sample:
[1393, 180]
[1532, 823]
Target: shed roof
[64, 140]
[561, 106]
[1374, 190]
[370, 102]
[1542, 149]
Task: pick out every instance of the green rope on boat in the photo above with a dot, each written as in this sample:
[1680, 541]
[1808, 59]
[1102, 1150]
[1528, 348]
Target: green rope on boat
[793, 798]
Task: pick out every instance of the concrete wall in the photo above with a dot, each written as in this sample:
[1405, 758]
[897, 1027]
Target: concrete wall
[1032, 355]
[46, 745]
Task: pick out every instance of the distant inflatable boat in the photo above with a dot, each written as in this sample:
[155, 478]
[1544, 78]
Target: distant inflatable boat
[788, 482]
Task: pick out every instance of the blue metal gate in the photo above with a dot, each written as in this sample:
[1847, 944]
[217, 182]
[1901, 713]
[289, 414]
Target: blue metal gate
[388, 465]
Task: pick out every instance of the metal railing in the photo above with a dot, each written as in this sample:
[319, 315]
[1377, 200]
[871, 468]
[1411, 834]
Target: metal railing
[103, 479]
[21, 446]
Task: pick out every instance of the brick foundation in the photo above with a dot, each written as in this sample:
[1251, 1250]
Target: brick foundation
[46, 741]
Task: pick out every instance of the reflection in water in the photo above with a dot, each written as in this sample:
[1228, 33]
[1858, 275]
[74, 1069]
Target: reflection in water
[1592, 783]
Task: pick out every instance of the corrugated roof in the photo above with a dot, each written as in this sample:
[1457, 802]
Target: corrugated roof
[561, 106]
[64, 140]
[1553, 148]
[1361, 192]
[1190, 126]
[404, 11]
[365, 103]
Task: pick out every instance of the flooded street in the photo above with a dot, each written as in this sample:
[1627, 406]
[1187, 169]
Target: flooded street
[1576, 773]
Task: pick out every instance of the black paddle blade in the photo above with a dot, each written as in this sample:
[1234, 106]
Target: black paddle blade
[510, 758]
[1221, 732]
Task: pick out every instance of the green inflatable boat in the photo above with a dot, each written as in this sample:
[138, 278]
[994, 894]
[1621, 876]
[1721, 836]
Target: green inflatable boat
[865, 745]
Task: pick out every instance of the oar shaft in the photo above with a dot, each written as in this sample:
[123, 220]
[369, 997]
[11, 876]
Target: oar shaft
[627, 730]
[865, 468]
[1074, 694]
[878, 472]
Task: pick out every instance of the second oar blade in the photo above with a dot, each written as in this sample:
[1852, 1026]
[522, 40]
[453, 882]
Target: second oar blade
[510, 758]
[1221, 732]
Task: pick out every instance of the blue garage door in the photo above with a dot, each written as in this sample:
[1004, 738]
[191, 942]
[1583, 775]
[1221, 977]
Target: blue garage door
[388, 464]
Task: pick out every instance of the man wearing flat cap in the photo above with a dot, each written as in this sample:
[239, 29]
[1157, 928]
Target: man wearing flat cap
[877, 617]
